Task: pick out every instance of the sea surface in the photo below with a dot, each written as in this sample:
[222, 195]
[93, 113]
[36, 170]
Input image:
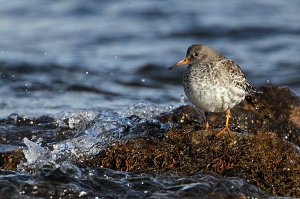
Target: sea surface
[103, 61]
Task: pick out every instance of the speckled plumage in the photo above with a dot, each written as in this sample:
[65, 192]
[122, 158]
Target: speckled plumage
[215, 86]
[212, 82]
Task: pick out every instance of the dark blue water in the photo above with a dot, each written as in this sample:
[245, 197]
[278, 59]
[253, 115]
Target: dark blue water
[58, 56]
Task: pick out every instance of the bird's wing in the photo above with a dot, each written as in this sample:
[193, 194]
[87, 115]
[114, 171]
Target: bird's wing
[237, 76]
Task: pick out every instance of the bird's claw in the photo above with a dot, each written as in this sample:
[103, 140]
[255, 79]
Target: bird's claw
[225, 129]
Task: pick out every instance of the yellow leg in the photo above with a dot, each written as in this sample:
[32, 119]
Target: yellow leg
[206, 120]
[226, 128]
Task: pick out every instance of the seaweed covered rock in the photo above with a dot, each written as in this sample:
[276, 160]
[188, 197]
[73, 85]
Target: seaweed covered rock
[263, 150]
[10, 159]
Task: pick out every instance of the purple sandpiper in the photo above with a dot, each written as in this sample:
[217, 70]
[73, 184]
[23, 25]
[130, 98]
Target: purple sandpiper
[212, 82]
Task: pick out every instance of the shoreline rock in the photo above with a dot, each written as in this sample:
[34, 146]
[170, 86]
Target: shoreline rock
[264, 150]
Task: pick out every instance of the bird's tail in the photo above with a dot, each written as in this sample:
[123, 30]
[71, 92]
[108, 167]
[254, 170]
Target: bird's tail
[251, 89]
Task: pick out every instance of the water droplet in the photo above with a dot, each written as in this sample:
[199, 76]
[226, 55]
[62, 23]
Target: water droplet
[182, 99]
[116, 56]
[87, 72]
[82, 193]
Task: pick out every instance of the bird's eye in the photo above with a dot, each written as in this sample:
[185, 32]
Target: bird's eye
[196, 54]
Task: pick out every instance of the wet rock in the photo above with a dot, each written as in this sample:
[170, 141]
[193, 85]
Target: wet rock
[262, 159]
[10, 159]
[295, 116]
[183, 115]
[264, 149]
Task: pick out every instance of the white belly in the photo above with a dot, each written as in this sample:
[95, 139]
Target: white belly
[212, 96]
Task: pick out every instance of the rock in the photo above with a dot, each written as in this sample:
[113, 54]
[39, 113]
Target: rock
[264, 149]
[10, 159]
[295, 116]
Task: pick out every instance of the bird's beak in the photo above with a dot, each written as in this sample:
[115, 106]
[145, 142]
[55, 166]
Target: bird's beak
[180, 63]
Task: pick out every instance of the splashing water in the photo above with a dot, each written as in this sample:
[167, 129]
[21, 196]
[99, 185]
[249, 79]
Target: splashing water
[145, 110]
[36, 156]
[92, 132]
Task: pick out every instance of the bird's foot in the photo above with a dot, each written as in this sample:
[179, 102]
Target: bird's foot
[225, 129]
[206, 126]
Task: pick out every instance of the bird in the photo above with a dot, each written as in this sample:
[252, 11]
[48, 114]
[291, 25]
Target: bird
[213, 82]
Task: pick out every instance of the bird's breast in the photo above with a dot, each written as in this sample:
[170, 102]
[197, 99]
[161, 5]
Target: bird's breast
[210, 90]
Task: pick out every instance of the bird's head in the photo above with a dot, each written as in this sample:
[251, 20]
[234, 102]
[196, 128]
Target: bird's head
[198, 53]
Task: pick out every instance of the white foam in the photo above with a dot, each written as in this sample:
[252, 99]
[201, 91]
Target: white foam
[36, 156]
[94, 131]
[145, 110]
